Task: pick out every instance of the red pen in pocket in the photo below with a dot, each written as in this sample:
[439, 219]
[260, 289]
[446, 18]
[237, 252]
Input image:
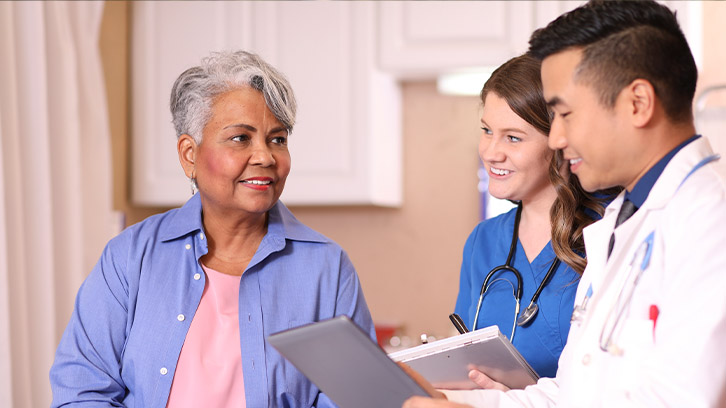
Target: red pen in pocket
[653, 315]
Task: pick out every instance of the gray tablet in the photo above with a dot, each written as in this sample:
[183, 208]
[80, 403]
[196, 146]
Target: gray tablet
[338, 357]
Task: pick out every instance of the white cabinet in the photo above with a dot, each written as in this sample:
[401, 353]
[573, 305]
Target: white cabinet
[422, 39]
[346, 145]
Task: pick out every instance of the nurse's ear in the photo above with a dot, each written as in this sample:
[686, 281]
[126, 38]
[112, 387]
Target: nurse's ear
[640, 102]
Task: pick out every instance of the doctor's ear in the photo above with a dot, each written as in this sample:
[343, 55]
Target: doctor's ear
[187, 149]
[641, 101]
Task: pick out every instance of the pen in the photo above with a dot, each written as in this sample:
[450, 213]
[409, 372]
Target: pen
[458, 323]
[653, 315]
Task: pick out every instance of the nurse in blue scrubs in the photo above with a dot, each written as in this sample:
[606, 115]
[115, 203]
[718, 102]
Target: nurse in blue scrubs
[540, 239]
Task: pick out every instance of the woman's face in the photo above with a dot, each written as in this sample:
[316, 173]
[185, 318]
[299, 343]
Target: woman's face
[243, 160]
[514, 153]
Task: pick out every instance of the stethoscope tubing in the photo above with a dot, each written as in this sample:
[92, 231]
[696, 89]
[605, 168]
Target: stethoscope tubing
[507, 267]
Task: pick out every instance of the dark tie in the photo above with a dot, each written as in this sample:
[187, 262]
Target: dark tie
[626, 210]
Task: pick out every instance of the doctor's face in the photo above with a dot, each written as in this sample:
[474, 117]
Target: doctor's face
[593, 137]
[514, 153]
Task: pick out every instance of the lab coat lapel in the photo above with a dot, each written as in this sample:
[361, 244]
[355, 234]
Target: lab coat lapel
[597, 237]
[608, 273]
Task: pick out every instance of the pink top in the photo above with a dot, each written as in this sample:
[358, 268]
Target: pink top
[209, 371]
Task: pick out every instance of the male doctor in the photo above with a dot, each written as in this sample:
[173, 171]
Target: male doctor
[649, 327]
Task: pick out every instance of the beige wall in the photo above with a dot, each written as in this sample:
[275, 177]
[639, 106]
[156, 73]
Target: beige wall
[407, 258]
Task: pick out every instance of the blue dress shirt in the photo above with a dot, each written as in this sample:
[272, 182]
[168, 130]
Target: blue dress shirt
[133, 312]
[542, 341]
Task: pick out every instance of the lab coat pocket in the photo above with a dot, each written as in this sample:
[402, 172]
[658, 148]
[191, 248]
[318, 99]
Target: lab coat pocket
[636, 343]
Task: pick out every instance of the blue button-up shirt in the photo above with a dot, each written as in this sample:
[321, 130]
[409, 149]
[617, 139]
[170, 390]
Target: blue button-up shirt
[133, 311]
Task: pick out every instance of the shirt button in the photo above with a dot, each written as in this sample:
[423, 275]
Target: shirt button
[201, 236]
[586, 359]
[180, 318]
[197, 276]
[163, 371]
[188, 246]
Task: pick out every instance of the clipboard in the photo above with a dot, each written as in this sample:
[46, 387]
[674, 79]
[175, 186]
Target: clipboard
[445, 363]
[345, 363]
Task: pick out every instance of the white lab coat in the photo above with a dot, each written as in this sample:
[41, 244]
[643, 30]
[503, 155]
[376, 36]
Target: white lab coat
[682, 363]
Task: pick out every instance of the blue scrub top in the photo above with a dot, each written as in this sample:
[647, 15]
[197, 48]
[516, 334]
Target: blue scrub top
[541, 342]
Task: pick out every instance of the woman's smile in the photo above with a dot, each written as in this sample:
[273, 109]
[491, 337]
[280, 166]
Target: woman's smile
[257, 183]
[498, 172]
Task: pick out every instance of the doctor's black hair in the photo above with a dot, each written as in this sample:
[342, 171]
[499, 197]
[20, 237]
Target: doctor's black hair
[623, 41]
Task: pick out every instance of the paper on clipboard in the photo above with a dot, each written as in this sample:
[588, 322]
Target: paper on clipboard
[445, 363]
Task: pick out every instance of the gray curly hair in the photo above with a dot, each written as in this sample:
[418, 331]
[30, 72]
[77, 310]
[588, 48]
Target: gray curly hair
[194, 91]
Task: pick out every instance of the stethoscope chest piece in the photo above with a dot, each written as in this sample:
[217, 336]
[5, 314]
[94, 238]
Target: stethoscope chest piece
[528, 315]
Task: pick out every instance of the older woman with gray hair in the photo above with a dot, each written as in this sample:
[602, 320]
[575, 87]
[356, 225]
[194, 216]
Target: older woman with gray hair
[177, 309]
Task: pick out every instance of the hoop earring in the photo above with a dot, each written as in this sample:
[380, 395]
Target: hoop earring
[193, 185]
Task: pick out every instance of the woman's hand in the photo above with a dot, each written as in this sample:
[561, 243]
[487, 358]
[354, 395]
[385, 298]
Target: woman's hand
[484, 381]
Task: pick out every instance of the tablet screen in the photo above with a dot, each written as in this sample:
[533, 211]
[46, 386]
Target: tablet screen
[351, 369]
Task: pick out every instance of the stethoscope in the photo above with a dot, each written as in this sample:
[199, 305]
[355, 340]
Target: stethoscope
[531, 311]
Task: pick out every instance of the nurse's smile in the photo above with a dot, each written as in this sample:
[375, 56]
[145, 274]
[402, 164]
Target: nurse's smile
[495, 172]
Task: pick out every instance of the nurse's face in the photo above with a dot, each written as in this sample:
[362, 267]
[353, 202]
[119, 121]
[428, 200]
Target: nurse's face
[514, 153]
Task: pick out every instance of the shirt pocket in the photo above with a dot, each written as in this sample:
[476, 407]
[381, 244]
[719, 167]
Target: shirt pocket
[293, 388]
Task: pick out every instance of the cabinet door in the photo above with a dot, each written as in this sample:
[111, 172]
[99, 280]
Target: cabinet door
[422, 39]
[167, 38]
[345, 146]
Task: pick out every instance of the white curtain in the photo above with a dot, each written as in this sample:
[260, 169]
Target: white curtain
[55, 182]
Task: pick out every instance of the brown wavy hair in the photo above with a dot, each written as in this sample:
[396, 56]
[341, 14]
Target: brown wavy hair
[518, 82]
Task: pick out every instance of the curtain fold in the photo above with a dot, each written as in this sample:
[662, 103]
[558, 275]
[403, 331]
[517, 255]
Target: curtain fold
[55, 174]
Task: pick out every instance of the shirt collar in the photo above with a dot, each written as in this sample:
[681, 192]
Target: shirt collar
[281, 223]
[645, 184]
[183, 221]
